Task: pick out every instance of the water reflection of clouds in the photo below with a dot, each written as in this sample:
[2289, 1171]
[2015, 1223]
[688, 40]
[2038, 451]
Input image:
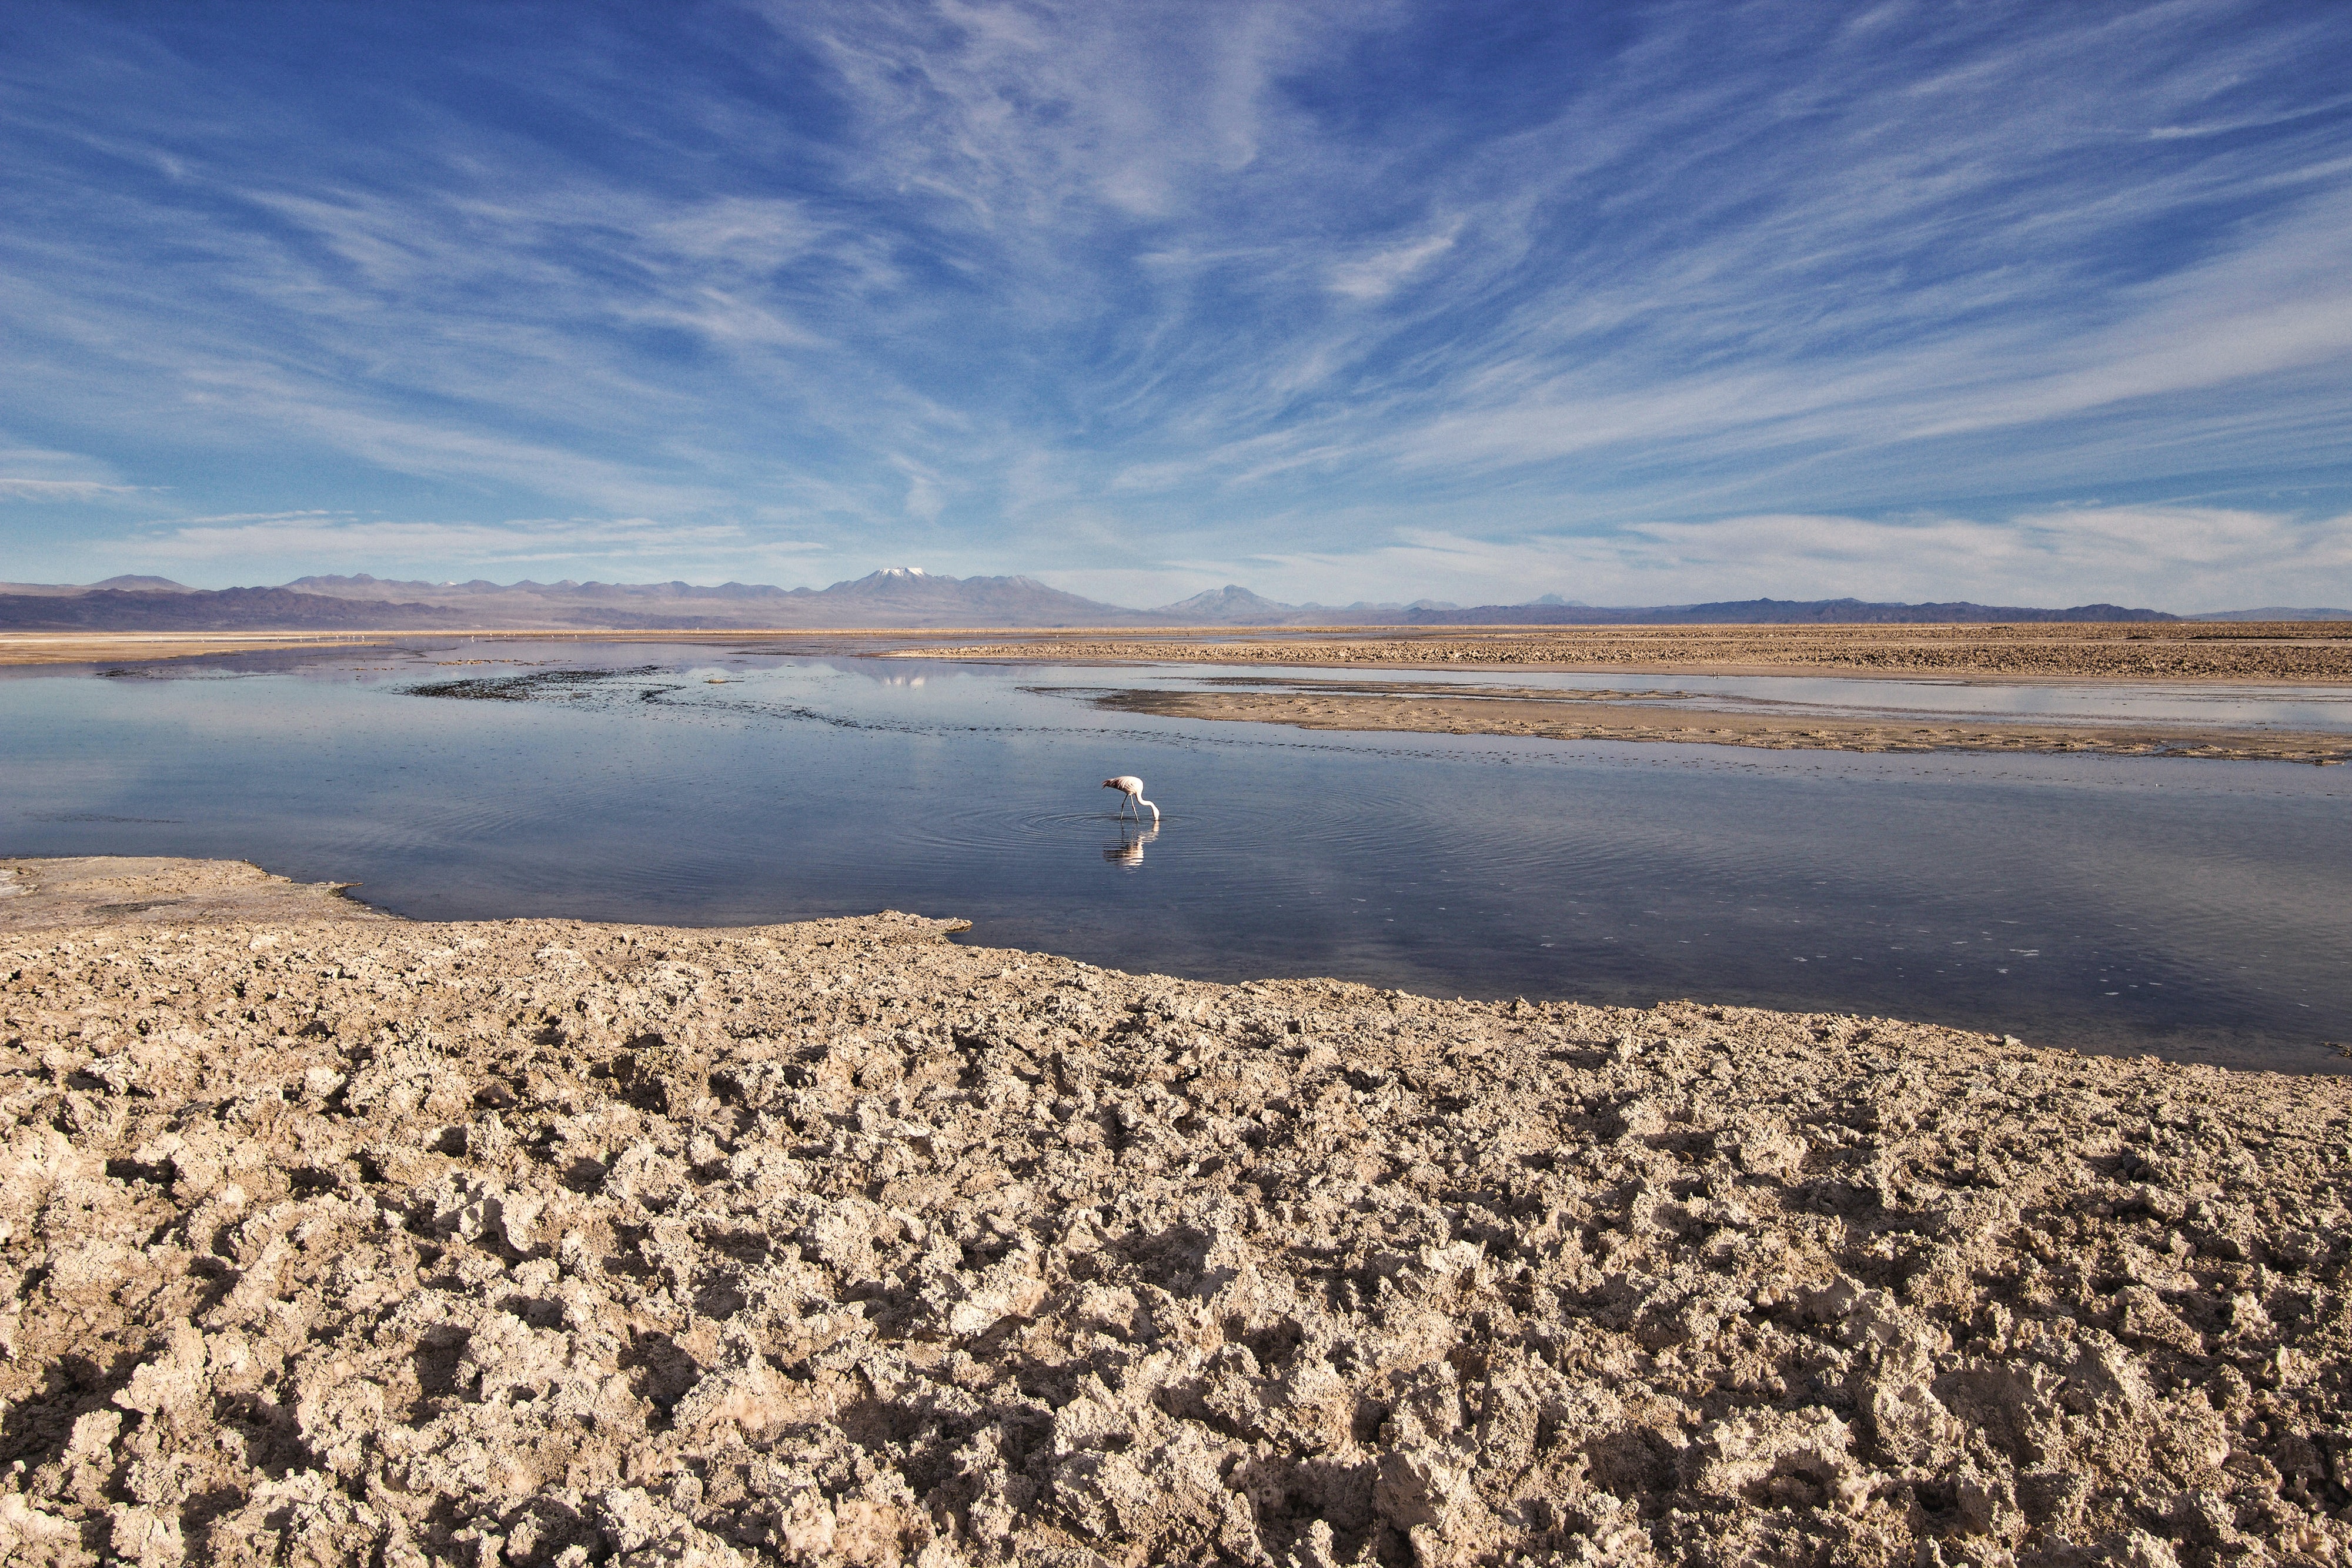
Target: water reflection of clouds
[873, 670]
[1128, 851]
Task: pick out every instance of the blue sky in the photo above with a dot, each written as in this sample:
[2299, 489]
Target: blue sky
[1634, 303]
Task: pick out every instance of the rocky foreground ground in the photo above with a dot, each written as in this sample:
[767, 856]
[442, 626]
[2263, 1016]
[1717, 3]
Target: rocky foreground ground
[357, 1241]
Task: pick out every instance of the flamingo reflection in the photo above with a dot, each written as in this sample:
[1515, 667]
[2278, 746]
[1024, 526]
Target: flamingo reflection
[1128, 851]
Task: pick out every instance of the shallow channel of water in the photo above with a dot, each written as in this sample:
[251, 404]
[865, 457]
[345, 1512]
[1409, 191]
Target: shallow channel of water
[2196, 909]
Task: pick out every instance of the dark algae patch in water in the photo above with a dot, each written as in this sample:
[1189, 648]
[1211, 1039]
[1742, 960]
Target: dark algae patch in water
[538, 685]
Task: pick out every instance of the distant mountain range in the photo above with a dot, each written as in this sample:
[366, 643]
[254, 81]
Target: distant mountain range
[48, 609]
[899, 598]
[2274, 613]
[74, 589]
[1233, 605]
[1769, 613]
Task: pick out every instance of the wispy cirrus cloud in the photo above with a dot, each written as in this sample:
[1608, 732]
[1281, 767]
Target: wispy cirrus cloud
[317, 540]
[1382, 273]
[15, 489]
[1177, 295]
[35, 474]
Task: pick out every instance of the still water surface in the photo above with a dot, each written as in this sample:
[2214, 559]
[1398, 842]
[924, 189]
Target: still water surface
[2196, 909]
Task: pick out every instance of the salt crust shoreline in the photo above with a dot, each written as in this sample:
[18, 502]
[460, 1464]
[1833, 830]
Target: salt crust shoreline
[327, 1238]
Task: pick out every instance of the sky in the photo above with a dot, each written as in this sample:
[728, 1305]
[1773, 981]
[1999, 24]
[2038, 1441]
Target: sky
[1633, 303]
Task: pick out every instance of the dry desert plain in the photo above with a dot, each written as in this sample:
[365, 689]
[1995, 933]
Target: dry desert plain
[2300, 651]
[2314, 651]
[330, 1237]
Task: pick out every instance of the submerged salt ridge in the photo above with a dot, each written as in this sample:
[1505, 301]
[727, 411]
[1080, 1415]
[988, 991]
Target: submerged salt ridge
[842, 1244]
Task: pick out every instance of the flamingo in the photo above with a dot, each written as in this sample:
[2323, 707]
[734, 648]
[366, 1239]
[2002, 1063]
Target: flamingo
[1129, 785]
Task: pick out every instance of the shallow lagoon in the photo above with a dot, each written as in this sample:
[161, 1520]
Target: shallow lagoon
[2196, 909]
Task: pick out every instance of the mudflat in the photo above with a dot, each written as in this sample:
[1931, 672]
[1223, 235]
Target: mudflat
[124, 891]
[2305, 651]
[1608, 716]
[355, 1239]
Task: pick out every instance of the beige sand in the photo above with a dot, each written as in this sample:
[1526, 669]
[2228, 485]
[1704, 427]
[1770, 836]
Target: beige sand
[358, 1241]
[131, 647]
[1558, 715]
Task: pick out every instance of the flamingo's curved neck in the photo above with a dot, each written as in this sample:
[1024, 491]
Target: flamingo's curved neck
[1155, 810]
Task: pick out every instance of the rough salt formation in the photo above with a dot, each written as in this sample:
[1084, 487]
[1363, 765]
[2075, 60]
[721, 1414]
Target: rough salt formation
[542, 1242]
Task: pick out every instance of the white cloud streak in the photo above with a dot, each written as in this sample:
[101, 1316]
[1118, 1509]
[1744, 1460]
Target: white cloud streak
[273, 548]
[1037, 286]
[16, 489]
[37, 474]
